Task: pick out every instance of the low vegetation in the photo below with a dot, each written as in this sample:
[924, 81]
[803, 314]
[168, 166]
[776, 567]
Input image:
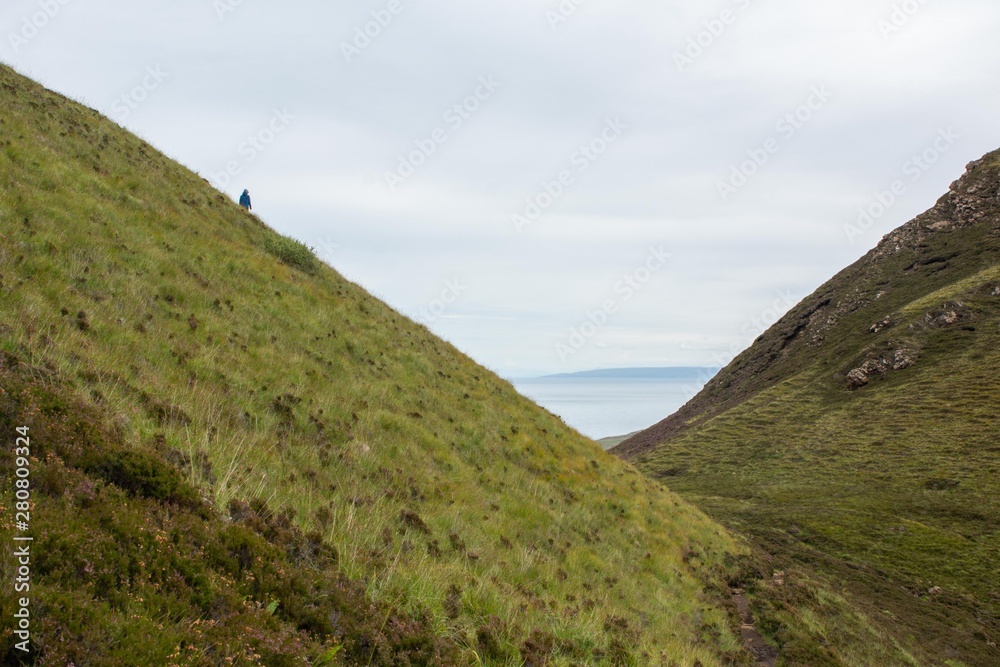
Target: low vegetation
[292, 252]
[131, 566]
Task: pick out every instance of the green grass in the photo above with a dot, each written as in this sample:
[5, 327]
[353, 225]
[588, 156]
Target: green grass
[182, 334]
[614, 441]
[886, 495]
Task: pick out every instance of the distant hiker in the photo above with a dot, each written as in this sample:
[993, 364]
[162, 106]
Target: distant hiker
[245, 200]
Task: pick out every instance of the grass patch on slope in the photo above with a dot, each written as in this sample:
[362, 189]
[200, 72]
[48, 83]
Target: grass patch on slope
[200, 334]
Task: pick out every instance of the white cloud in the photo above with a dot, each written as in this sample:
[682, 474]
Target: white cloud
[323, 179]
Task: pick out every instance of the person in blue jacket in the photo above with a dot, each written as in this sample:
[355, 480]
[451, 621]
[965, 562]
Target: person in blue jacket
[245, 200]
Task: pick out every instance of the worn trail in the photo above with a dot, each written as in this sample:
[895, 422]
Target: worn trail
[753, 641]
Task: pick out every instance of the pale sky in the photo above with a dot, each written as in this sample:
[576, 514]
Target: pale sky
[551, 186]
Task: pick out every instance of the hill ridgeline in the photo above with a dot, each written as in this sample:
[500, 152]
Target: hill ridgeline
[858, 440]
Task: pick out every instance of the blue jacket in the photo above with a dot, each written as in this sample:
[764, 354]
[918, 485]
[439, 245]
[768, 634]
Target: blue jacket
[245, 200]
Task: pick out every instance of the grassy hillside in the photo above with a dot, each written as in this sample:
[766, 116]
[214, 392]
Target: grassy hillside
[240, 458]
[858, 440]
[614, 441]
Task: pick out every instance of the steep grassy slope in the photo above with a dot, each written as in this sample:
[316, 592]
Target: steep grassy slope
[241, 458]
[859, 439]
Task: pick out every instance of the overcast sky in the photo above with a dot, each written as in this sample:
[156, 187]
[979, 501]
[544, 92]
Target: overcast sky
[552, 187]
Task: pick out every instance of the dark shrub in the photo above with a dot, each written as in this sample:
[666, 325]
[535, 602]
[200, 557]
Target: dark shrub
[143, 474]
[292, 252]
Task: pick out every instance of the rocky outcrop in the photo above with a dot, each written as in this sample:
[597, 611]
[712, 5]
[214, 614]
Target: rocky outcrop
[970, 200]
[948, 315]
[879, 364]
[879, 326]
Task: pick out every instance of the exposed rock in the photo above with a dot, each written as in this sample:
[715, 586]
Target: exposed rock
[948, 315]
[880, 364]
[884, 324]
[904, 358]
[989, 289]
[970, 199]
[857, 379]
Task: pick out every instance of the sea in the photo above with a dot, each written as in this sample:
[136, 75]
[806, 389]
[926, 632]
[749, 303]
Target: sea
[604, 407]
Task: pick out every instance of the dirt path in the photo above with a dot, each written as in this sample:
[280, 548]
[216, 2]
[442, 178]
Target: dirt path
[763, 653]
